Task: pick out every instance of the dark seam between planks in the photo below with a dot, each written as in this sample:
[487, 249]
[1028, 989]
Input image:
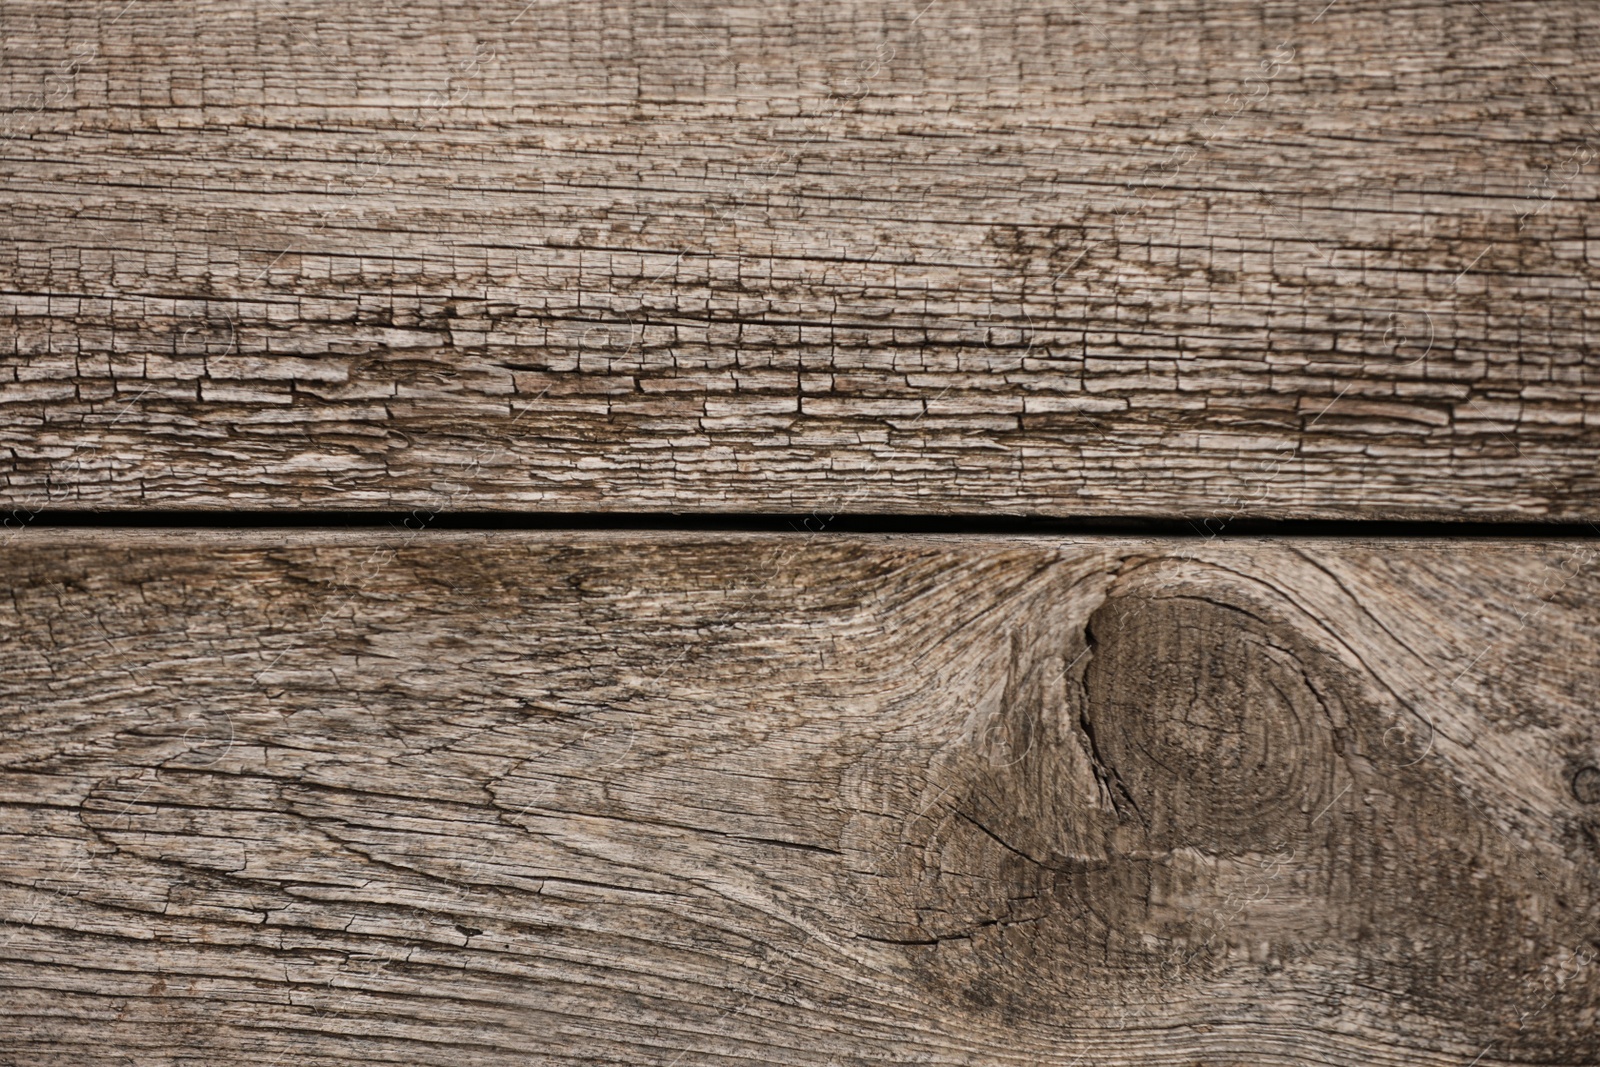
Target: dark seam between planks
[814, 522]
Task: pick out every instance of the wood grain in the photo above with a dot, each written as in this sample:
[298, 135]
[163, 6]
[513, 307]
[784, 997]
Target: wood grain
[1171, 258]
[491, 798]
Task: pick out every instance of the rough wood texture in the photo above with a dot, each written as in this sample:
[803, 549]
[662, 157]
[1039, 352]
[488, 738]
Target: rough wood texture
[318, 798]
[1182, 258]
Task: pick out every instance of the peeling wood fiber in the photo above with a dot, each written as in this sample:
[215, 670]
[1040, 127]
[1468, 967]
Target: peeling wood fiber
[1175, 258]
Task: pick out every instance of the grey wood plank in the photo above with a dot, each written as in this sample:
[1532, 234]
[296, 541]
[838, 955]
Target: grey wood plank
[561, 798]
[1177, 258]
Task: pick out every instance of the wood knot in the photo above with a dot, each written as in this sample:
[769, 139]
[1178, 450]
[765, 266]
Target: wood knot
[1106, 823]
[1205, 724]
[1586, 785]
[1196, 784]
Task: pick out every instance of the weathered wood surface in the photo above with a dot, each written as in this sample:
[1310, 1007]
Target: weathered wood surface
[1081, 257]
[356, 798]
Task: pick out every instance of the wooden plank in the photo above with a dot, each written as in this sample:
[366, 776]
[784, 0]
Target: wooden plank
[495, 798]
[1179, 258]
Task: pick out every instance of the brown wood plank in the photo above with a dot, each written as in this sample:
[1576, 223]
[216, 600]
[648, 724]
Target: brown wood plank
[1172, 258]
[559, 798]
